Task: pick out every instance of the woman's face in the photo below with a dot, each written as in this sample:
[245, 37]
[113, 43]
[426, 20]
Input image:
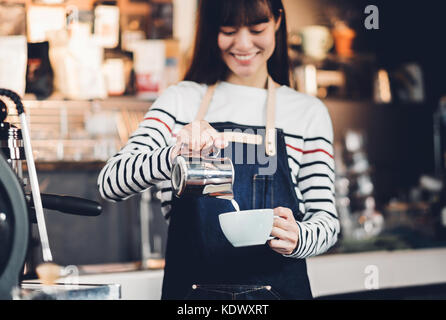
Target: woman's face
[246, 49]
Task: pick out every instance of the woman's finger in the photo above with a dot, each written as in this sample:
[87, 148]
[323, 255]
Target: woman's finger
[208, 137]
[183, 137]
[279, 233]
[285, 213]
[194, 131]
[181, 145]
[220, 141]
[198, 136]
[289, 234]
[282, 223]
[200, 132]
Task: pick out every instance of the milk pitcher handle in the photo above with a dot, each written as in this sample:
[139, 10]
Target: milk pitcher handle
[215, 153]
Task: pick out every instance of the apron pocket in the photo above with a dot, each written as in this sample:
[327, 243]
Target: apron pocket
[262, 191]
[231, 292]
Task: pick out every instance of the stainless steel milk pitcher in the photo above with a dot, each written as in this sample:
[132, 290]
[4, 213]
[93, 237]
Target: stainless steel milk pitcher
[203, 175]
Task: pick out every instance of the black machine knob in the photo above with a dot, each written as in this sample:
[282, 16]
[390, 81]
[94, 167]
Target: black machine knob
[3, 111]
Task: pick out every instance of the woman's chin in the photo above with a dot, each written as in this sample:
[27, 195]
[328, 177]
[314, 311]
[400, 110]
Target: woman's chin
[244, 72]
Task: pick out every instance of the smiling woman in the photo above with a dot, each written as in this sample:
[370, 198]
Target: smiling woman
[242, 28]
[238, 81]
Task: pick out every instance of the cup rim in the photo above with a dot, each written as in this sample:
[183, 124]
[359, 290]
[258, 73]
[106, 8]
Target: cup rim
[247, 212]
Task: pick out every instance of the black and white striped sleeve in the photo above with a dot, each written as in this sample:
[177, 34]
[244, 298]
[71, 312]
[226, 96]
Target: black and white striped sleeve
[145, 159]
[319, 228]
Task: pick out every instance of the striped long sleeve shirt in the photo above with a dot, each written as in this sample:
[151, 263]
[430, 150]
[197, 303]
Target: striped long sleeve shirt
[145, 159]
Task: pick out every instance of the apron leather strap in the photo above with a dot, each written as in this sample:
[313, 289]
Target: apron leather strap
[270, 135]
[205, 102]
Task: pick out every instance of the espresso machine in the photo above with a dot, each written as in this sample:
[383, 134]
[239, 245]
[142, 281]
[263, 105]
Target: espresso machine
[19, 209]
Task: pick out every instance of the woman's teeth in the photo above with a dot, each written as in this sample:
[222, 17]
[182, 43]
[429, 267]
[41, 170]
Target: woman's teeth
[244, 57]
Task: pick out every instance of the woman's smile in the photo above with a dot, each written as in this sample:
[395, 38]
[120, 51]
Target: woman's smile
[246, 58]
[246, 49]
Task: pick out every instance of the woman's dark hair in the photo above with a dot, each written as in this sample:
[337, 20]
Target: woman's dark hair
[207, 66]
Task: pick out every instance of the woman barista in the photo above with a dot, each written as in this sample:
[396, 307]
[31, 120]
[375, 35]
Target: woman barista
[238, 80]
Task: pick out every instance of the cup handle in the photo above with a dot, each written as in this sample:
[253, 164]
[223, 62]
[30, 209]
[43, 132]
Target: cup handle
[271, 237]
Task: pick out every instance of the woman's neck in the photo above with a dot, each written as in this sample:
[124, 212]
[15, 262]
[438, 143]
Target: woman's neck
[258, 80]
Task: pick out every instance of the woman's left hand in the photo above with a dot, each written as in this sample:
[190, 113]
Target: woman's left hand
[286, 230]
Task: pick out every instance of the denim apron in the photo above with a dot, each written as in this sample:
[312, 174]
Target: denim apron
[202, 264]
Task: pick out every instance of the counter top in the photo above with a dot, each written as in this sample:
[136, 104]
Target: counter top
[343, 273]
[329, 274]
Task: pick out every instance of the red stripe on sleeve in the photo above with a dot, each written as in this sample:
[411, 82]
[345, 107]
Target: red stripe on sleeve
[310, 151]
[297, 149]
[156, 119]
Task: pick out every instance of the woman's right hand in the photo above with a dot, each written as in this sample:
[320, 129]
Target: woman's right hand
[197, 137]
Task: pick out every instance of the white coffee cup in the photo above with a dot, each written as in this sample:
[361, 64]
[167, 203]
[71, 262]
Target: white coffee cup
[247, 227]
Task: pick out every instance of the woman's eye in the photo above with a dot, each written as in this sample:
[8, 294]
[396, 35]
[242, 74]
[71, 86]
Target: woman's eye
[228, 32]
[258, 28]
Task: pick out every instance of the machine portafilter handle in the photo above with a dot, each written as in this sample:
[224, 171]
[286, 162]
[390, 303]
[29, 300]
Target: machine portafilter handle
[14, 97]
[68, 204]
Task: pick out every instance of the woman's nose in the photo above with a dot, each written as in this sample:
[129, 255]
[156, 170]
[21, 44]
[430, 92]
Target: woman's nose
[243, 40]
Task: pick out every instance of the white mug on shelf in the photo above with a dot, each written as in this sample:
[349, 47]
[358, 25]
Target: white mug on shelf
[316, 41]
[13, 60]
